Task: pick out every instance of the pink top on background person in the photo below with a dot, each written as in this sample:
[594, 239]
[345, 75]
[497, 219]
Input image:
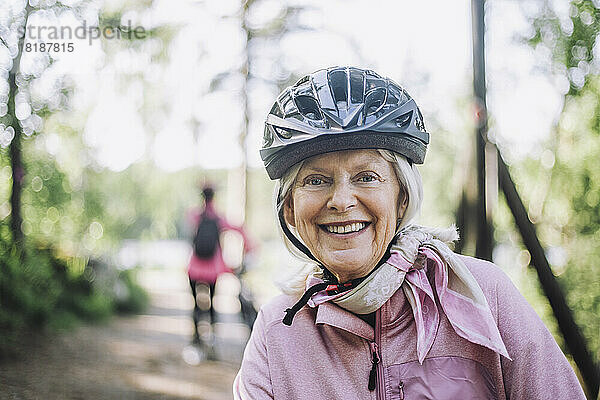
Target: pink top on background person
[208, 270]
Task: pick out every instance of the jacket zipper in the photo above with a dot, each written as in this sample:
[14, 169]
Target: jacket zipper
[376, 373]
[380, 383]
[375, 359]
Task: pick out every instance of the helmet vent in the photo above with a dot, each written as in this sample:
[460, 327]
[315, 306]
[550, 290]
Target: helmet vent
[403, 120]
[357, 86]
[267, 137]
[374, 81]
[286, 103]
[339, 87]
[419, 121]
[282, 133]
[374, 100]
[275, 110]
[309, 108]
[399, 94]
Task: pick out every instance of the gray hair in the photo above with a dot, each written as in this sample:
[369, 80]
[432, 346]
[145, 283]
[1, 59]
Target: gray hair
[410, 182]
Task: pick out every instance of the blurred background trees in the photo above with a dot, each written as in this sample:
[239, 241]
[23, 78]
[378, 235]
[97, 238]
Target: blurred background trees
[568, 203]
[565, 186]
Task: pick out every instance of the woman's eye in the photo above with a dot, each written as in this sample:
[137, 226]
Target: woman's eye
[367, 178]
[314, 181]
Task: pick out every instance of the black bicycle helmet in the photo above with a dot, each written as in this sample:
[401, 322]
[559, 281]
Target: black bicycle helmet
[341, 108]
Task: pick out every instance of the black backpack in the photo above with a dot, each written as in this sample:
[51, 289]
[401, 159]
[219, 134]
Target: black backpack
[206, 240]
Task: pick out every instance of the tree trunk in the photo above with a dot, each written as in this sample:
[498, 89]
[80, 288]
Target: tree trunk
[245, 70]
[484, 243]
[16, 159]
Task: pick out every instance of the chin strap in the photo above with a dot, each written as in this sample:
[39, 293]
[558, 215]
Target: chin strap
[291, 312]
[331, 285]
[327, 275]
[294, 239]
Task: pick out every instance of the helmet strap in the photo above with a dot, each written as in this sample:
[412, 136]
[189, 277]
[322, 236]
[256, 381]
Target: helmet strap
[299, 245]
[327, 275]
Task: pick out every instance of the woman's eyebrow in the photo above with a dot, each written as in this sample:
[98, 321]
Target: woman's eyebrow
[316, 169]
[369, 165]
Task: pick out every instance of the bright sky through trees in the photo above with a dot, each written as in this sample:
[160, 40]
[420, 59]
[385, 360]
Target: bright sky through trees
[425, 46]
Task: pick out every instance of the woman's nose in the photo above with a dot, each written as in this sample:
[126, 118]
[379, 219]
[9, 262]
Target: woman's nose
[342, 197]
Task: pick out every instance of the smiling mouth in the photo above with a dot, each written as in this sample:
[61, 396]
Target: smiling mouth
[345, 229]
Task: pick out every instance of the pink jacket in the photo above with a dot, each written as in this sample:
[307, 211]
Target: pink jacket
[208, 270]
[328, 353]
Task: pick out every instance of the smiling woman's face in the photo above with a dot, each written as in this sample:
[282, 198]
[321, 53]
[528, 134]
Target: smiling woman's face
[345, 207]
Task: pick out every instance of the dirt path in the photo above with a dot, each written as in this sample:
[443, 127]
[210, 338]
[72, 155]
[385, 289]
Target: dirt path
[139, 357]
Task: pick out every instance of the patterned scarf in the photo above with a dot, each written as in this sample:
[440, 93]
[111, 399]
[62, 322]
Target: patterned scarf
[459, 294]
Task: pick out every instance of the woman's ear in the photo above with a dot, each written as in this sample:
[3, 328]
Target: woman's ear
[403, 205]
[288, 212]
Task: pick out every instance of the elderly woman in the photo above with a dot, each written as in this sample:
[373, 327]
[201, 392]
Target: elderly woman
[388, 310]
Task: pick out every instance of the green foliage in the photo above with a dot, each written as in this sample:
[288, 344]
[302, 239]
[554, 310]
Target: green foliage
[39, 290]
[64, 205]
[569, 216]
[571, 39]
[130, 297]
[576, 178]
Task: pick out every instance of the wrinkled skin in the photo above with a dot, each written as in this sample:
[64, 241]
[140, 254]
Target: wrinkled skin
[340, 189]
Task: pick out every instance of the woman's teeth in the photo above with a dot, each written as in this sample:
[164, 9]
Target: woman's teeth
[355, 227]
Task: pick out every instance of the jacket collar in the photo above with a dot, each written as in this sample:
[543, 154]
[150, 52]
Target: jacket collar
[334, 315]
[394, 312]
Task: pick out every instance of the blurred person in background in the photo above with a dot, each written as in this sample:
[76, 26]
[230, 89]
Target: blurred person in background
[206, 261]
[383, 308]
